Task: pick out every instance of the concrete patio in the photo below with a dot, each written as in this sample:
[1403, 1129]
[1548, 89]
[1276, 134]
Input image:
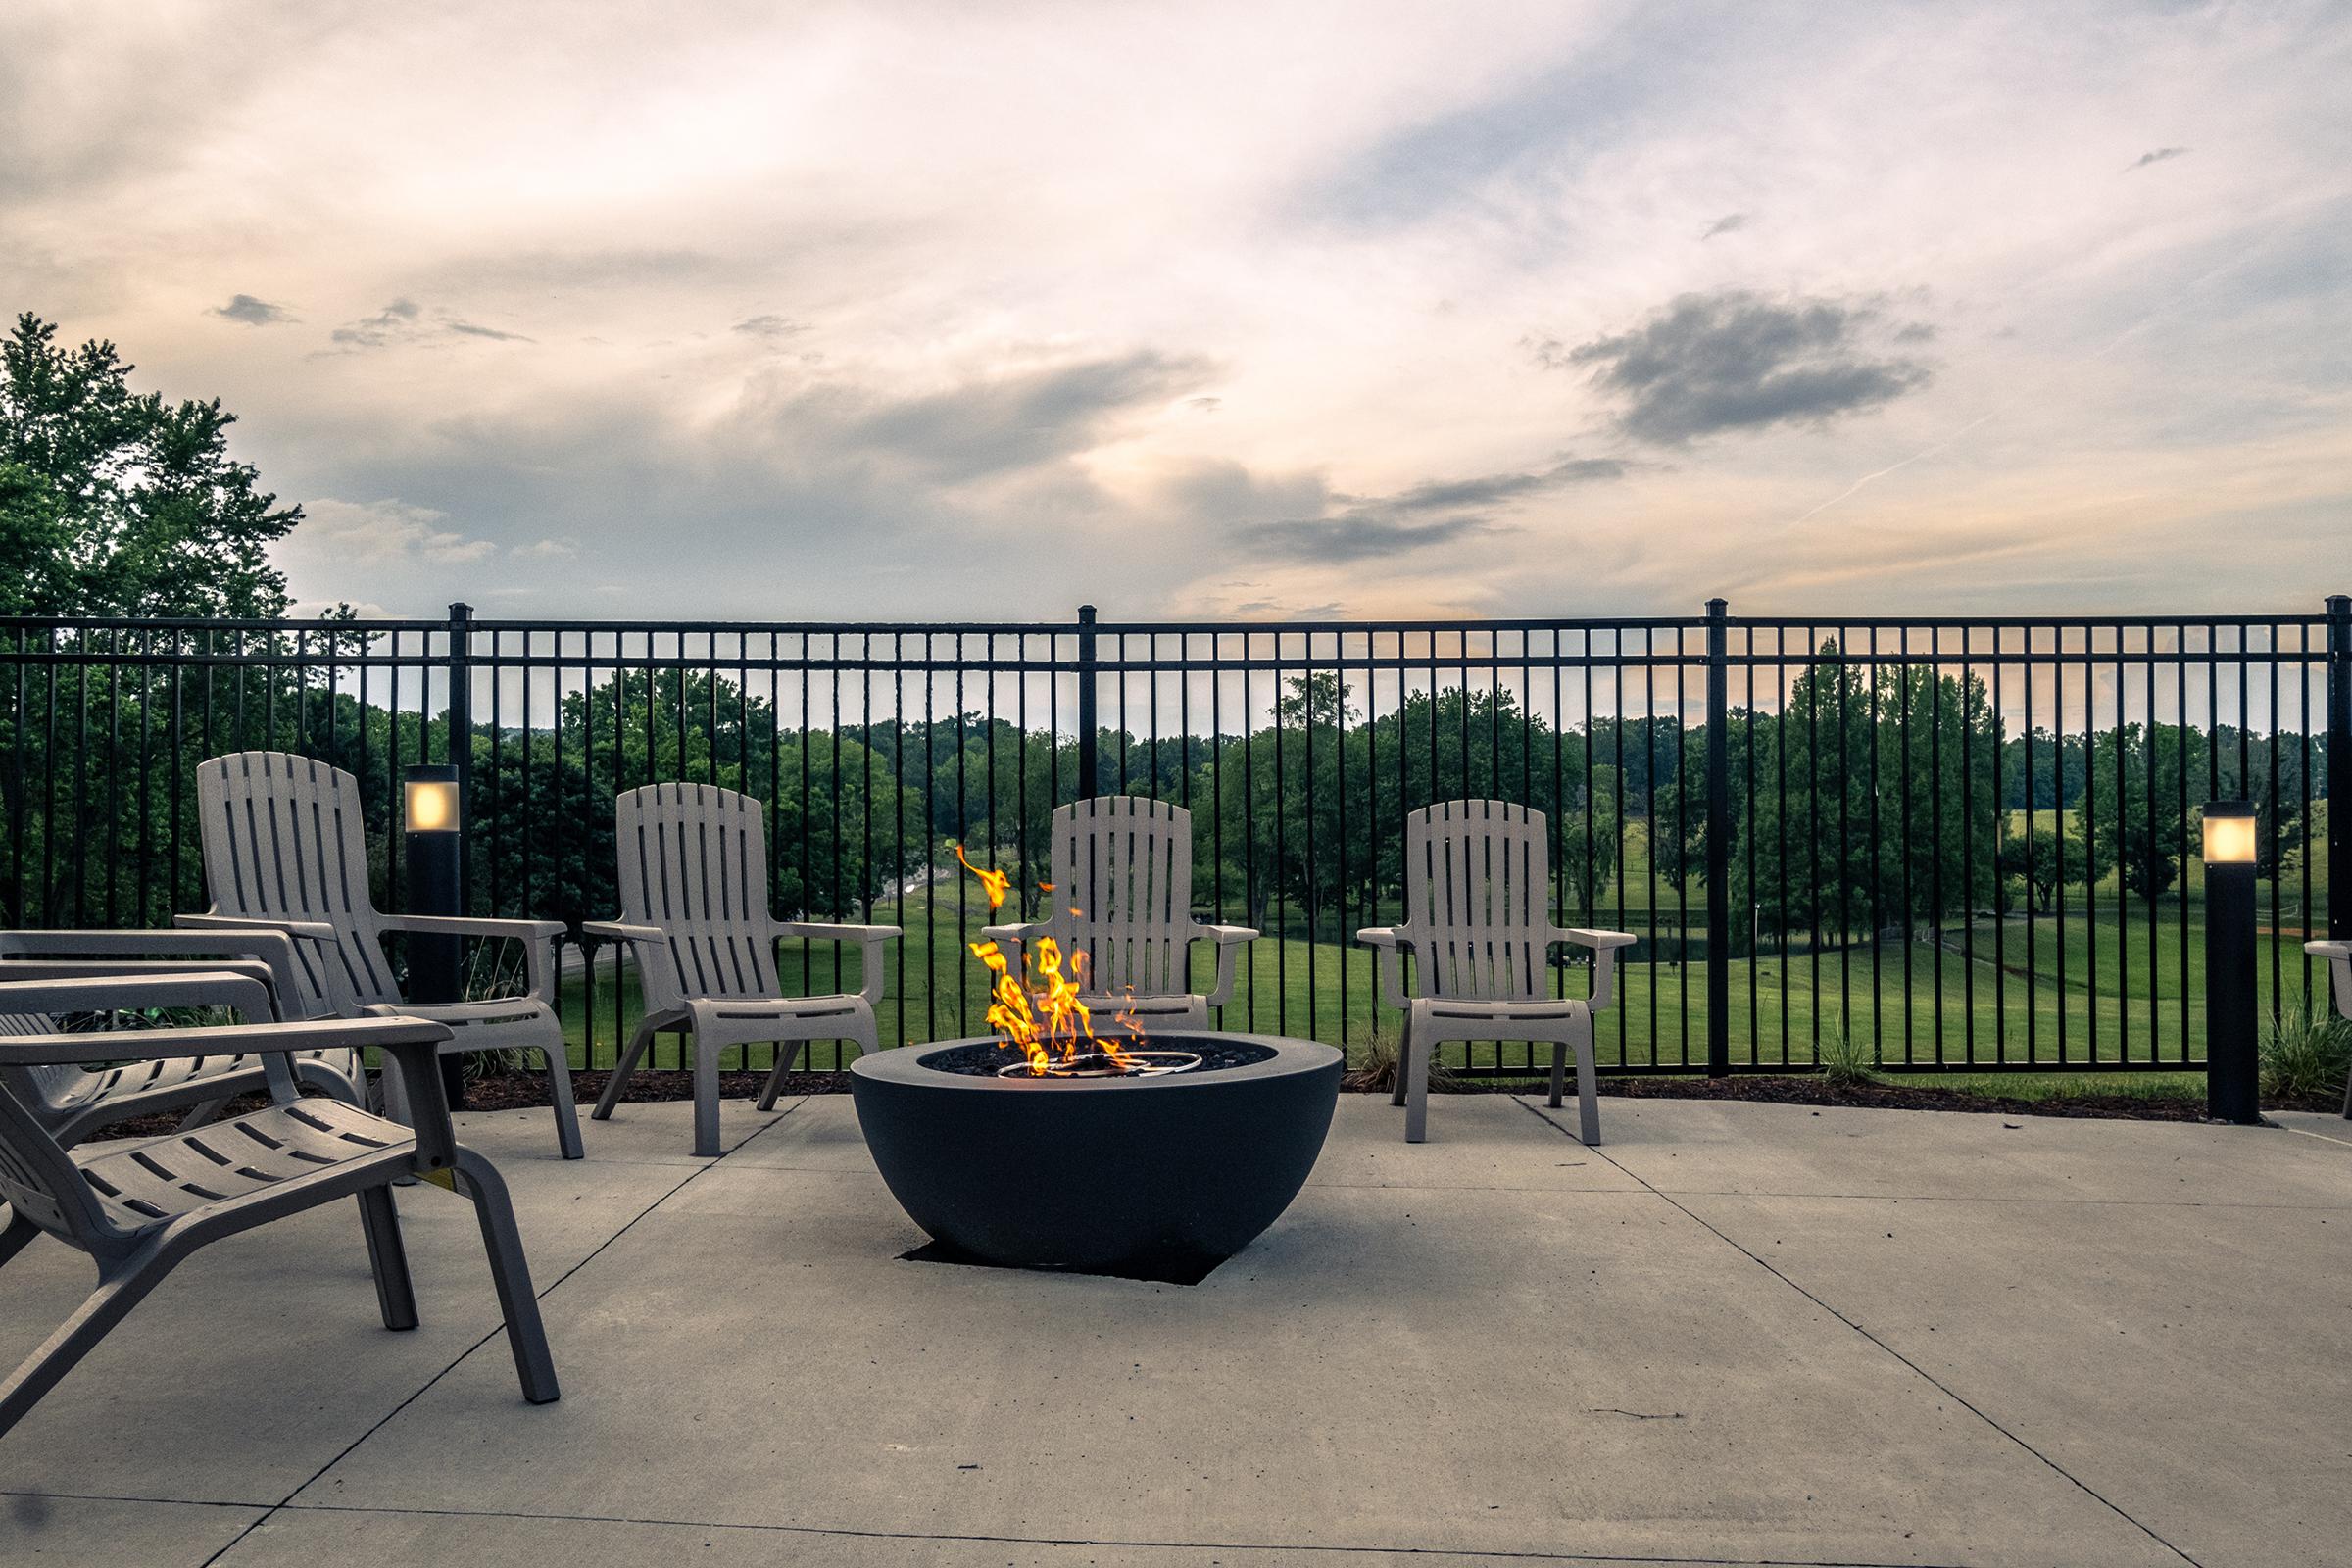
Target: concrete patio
[1736, 1333]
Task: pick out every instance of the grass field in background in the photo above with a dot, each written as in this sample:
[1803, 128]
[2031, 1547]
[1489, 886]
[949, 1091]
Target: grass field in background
[2016, 1010]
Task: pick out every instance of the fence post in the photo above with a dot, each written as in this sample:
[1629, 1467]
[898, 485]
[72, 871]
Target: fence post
[1719, 840]
[1087, 759]
[2340, 766]
[459, 740]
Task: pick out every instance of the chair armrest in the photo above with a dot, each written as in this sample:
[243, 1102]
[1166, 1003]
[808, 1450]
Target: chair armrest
[660, 987]
[308, 930]
[534, 935]
[2328, 949]
[832, 931]
[97, 974]
[474, 925]
[1022, 932]
[1230, 940]
[1604, 946]
[1389, 941]
[869, 937]
[275, 949]
[622, 931]
[96, 989]
[411, 1045]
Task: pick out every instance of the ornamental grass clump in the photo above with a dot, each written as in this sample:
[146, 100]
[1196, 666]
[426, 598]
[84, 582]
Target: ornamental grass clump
[1376, 1070]
[1845, 1060]
[2306, 1053]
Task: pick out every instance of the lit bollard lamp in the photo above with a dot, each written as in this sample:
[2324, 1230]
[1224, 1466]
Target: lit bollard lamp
[434, 836]
[2232, 1069]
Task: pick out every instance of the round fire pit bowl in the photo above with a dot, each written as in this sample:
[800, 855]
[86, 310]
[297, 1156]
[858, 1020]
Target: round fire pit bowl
[1159, 1177]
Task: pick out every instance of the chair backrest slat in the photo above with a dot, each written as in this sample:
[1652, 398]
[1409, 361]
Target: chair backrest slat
[1478, 888]
[694, 862]
[284, 839]
[1123, 892]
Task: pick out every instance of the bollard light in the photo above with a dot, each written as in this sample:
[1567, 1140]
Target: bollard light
[2229, 833]
[2233, 1067]
[430, 803]
[434, 818]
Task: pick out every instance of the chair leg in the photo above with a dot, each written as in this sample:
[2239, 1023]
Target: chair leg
[1588, 1092]
[203, 1115]
[389, 1258]
[1559, 1071]
[1404, 1054]
[15, 1236]
[788, 1051]
[706, 1097]
[78, 1335]
[1416, 1094]
[558, 1090]
[511, 1271]
[621, 1069]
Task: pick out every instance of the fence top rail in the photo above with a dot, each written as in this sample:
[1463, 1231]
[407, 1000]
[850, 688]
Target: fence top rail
[2316, 621]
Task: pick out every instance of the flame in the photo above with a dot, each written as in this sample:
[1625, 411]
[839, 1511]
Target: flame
[1040, 1010]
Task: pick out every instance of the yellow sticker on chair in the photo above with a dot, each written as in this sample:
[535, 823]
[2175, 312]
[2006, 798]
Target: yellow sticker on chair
[440, 1178]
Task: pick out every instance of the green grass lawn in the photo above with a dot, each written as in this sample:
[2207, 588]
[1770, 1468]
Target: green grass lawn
[2007, 1003]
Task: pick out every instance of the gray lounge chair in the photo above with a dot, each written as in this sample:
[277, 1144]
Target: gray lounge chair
[75, 1102]
[1478, 922]
[694, 911]
[285, 850]
[140, 1212]
[1123, 902]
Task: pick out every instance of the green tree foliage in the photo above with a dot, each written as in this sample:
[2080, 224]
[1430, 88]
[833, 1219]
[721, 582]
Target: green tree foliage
[117, 503]
[2035, 864]
[1864, 800]
[1306, 818]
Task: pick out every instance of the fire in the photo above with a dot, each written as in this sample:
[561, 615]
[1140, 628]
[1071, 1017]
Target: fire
[1038, 1011]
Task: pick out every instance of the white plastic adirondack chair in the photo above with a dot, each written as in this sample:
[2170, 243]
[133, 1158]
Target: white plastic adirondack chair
[2340, 961]
[694, 910]
[139, 1212]
[285, 850]
[74, 1102]
[1477, 920]
[1123, 898]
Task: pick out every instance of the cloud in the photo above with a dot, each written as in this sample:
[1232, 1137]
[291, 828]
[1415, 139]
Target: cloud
[770, 327]
[1738, 361]
[2156, 157]
[551, 549]
[1338, 541]
[404, 321]
[469, 329]
[1437, 512]
[976, 428]
[1727, 223]
[250, 311]
[380, 533]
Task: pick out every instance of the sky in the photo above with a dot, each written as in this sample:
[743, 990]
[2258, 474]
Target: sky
[887, 310]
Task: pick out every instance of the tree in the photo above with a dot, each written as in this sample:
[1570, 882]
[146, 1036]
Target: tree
[2129, 829]
[117, 503]
[2035, 859]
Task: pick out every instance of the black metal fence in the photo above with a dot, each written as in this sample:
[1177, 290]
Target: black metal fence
[1940, 843]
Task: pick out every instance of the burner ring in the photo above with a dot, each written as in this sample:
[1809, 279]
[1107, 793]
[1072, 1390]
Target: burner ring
[1100, 1065]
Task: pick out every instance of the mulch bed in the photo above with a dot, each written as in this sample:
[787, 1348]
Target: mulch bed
[525, 1091]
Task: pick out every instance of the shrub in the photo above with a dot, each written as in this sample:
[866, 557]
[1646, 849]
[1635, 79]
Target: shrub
[1376, 1071]
[2305, 1055]
[1845, 1060]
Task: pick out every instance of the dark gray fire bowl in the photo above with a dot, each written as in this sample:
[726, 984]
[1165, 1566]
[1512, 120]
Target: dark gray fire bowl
[1155, 1178]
